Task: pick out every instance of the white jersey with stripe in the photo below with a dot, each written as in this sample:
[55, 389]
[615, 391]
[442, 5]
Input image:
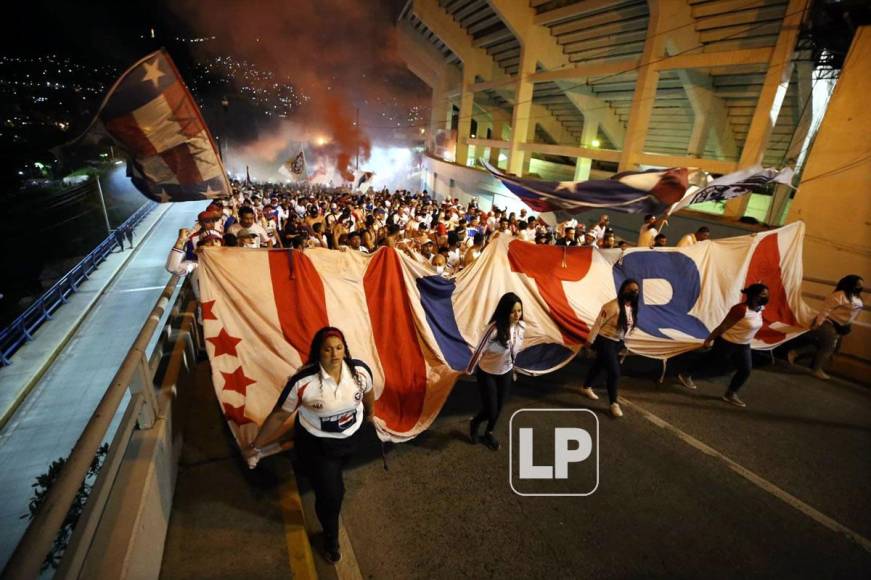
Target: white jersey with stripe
[327, 409]
[492, 356]
[743, 331]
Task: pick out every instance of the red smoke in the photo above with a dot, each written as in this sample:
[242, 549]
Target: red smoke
[339, 53]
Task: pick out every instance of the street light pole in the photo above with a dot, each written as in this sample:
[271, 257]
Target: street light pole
[103, 204]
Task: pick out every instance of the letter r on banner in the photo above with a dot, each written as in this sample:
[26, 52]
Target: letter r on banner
[682, 274]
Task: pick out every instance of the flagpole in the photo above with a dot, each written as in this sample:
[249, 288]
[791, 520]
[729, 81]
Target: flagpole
[357, 124]
[103, 205]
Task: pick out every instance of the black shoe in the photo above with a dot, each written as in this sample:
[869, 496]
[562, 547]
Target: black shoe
[332, 555]
[491, 441]
[473, 431]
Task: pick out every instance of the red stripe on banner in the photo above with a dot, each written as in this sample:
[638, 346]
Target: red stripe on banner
[183, 111]
[672, 186]
[395, 334]
[299, 298]
[182, 163]
[544, 264]
[128, 132]
[765, 268]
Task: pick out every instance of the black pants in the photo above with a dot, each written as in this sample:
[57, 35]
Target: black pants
[737, 356]
[494, 391]
[607, 359]
[323, 460]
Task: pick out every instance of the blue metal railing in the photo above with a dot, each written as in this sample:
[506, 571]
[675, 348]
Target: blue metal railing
[22, 328]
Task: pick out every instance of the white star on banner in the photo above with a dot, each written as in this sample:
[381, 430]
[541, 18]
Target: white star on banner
[153, 72]
[164, 197]
[210, 192]
[565, 186]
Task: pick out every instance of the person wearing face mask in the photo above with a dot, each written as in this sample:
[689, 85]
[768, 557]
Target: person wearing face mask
[494, 359]
[731, 343]
[616, 320]
[835, 320]
[331, 396]
[440, 263]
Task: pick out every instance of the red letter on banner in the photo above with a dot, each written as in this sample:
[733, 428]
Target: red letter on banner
[299, 298]
[544, 264]
[401, 402]
[765, 268]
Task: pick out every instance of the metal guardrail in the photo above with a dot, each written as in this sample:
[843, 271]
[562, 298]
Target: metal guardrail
[136, 373]
[22, 328]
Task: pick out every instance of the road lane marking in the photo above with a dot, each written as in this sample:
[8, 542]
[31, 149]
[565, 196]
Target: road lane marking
[752, 477]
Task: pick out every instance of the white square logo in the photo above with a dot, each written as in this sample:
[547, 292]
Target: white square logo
[553, 452]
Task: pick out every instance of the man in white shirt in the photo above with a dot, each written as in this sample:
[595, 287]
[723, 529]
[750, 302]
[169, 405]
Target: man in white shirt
[691, 239]
[247, 221]
[599, 229]
[649, 230]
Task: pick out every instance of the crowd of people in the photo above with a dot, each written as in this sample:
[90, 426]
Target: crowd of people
[450, 236]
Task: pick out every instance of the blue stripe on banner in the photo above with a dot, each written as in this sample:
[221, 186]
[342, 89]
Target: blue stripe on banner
[435, 297]
[136, 90]
[543, 357]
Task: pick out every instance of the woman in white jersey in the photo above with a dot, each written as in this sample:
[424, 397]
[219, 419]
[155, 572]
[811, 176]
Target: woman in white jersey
[331, 395]
[731, 340]
[494, 358]
[615, 321]
[835, 320]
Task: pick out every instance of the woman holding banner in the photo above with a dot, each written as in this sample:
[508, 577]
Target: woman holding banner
[835, 320]
[494, 358]
[731, 341]
[331, 395]
[615, 321]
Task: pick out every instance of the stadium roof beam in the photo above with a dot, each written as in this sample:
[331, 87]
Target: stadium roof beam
[771, 97]
[539, 46]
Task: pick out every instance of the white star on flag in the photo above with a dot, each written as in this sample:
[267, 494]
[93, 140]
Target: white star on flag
[153, 72]
[566, 186]
[210, 192]
[164, 197]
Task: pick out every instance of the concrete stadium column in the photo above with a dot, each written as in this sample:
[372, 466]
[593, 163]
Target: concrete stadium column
[832, 198]
[645, 85]
[770, 98]
[522, 115]
[440, 113]
[464, 123]
[782, 193]
[588, 134]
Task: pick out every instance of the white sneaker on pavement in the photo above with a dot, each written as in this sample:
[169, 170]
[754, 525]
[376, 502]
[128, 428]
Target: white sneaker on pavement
[732, 399]
[588, 392]
[687, 381]
[616, 411]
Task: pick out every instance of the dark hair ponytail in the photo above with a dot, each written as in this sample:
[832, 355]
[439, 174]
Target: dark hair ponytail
[502, 316]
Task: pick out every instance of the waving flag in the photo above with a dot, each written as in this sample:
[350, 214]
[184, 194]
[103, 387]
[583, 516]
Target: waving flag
[363, 179]
[649, 191]
[152, 116]
[750, 180]
[417, 330]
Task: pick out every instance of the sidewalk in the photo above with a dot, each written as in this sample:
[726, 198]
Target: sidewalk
[73, 359]
[35, 356]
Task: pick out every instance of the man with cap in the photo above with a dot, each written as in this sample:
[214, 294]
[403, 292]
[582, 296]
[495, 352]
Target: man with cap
[178, 263]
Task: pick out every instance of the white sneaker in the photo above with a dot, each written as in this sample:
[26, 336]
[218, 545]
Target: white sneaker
[588, 392]
[732, 398]
[686, 381]
[821, 374]
[616, 411]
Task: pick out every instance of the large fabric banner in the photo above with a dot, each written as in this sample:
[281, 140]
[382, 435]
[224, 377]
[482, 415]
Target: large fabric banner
[417, 330]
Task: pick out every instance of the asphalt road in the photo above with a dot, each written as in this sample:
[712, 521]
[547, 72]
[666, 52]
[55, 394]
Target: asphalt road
[663, 508]
[801, 464]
